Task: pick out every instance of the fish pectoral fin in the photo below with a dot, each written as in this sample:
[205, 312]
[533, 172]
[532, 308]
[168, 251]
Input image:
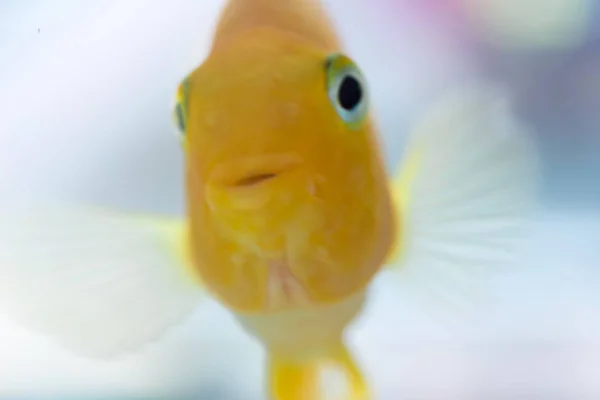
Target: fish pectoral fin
[464, 194]
[100, 282]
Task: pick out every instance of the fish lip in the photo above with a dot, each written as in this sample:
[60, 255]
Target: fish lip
[253, 171]
[255, 179]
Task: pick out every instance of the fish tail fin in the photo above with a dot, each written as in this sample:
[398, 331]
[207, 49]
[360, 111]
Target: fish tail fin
[101, 283]
[293, 379]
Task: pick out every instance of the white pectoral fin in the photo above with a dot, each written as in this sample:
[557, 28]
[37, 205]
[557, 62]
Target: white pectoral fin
[464, 193]
[101, 283]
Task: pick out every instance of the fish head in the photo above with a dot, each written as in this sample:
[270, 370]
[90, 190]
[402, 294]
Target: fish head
[281, 154]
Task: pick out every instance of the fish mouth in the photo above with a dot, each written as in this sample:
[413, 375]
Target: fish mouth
[255, 179]
[254, 171]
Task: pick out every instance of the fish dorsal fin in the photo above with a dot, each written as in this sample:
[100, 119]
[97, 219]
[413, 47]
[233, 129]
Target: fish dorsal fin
[306, 18]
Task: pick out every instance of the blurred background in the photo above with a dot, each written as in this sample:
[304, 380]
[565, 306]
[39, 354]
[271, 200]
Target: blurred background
[86, 90]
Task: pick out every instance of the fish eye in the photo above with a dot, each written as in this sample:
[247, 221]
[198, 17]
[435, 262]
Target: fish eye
[346, 88]
[180, 109]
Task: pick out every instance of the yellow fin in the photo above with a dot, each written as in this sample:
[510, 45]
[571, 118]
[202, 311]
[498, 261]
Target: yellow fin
[100, 282]
[400, 197]
[299, 379]
[289, 380]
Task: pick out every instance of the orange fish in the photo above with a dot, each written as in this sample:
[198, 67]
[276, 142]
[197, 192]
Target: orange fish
[290, 211]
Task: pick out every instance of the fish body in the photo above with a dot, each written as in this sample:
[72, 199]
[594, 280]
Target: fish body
[272, 191]
[285, 196]
[291, 213]
[290, 210]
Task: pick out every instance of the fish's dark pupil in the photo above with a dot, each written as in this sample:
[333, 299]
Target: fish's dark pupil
[349, 93]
